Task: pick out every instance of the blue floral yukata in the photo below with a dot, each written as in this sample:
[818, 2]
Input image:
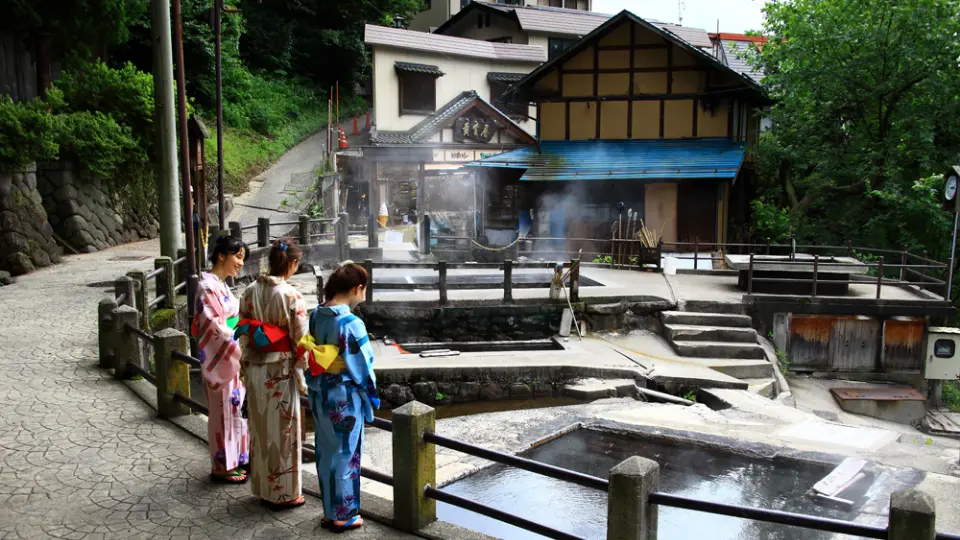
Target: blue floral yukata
[341, 399]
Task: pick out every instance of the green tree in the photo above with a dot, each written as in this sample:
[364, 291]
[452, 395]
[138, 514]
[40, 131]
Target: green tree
[64, 29]
[866, 113]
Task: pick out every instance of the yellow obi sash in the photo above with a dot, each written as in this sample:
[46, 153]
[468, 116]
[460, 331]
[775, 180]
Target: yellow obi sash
[321, 358]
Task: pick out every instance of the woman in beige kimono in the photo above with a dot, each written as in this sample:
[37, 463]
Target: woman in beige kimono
[274, 380]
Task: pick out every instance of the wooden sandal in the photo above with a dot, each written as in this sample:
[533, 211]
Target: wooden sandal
[232, 477]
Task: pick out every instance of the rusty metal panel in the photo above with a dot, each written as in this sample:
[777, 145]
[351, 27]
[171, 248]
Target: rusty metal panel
[903, 344]
[879, 394]
[809, 344]
[853, 344]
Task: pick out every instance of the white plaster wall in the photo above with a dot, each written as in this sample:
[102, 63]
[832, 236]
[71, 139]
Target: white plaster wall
[461, 74]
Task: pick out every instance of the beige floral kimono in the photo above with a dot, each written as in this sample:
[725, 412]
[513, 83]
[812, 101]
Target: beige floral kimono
[274, 385]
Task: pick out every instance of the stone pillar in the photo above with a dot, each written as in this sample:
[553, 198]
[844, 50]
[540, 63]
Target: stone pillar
[263, 232]
[165, 282]
[343, 236]
[139, 278]
[368, 266]
[912, 516]
[172, 374]
[304, 230]
[105, 331]
[414, 467]
[126, 344]
[236, 230]
[125, 286]
[630, 516]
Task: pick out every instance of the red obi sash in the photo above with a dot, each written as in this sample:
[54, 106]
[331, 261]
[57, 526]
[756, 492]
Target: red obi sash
[263, 337]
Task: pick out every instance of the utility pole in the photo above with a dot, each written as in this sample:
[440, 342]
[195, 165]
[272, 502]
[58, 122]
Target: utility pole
[217, 23]
[167, 190]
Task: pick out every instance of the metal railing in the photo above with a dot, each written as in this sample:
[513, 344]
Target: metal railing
[566, 275]
[119, 349]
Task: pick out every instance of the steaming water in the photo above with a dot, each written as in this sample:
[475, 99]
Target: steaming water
[687, 471]
[494, 280]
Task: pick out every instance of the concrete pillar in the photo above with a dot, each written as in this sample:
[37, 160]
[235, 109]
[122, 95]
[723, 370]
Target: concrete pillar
[343, 236]
[236, 230]
[124, 286]
[630, 516]
[781, 330]
[368, 266]
[414, 467]
[912, 516]
[126, 344]
[166, 282]
[105, 331]
[168, 190]
[139, 278]
[304, 230]
[172, 374]
[181, 269]
[263, 232]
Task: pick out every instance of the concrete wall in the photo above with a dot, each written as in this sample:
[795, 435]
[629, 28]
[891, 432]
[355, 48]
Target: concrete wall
[461, 74]
[26, 237]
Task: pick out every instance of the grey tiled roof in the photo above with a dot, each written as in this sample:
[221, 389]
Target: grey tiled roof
[429, 125]
[418, 68]
[500, 77]
[447, 45]
[733, 56]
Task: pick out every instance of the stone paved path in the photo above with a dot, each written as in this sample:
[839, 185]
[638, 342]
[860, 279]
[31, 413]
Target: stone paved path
[81, 456]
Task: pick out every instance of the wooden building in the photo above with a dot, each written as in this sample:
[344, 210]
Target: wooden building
[632, 113]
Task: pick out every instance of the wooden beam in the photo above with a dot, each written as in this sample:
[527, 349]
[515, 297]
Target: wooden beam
[645, 97]
[631, 91]
[642, 47]
[566, 125]
[614, 71]
[696, 110]
[596, 86]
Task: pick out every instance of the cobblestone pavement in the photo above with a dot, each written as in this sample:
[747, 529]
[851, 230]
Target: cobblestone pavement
[81, 456]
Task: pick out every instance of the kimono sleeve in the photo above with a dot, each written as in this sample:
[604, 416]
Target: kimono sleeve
[219, 352]
[358, 355]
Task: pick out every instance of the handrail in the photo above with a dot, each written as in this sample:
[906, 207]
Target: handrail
[498, 515]
[195, 406]
[180, 287]
[284, 223]
[122, 298]
[140, 333]
[156, 272]
[180, 261]
[136, 368]
[156, 300]
[248, 227]
[187, 359]
[770, 516]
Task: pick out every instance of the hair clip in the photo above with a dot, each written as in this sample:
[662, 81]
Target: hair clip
[282, 246]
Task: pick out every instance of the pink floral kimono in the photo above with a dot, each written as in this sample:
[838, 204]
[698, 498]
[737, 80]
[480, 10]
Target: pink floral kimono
[220, 356]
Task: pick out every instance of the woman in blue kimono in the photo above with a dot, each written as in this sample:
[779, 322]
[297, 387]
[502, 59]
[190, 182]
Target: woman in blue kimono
[342, 396]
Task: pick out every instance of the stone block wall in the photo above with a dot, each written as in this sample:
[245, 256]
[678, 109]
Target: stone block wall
[26, 237]
[87, 216]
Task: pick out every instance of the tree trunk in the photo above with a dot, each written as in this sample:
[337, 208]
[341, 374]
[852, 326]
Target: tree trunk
[42, 54]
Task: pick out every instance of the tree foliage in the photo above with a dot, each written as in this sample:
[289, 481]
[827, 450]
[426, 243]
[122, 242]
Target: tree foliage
[867, 99]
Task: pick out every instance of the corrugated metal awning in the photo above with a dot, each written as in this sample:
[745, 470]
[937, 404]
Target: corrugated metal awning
[426, 69]
[717, 159]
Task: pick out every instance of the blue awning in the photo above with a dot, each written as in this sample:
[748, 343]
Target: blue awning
[653, 160]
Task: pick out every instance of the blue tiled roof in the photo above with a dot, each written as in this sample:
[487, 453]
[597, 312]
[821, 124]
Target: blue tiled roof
[624, 160]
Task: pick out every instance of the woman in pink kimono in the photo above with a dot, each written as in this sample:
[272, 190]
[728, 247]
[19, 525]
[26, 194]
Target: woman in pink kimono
[216, 315]
[273, 319]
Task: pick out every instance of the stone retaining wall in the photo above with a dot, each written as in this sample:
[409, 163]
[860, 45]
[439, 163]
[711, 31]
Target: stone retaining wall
[87, 215]
[446, 392]
[26, 237]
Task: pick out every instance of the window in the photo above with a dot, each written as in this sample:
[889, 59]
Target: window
[550, 3]
[418, 93]
[515, 111]
[427, 5]
[556, 46]
[505, 39]
[944, 348]
[464, 3]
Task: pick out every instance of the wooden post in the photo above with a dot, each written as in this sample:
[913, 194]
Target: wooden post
[630, 515]
[126, 344]
[304, 230]
[816, 263]
[423, 226]
[879, 275]
[903, 264]
[139, 278]
[343, 236]
[913, 516]
[165, 282]
[696, 253]
[768, 245]
[575, 280]
[750, 275]
[263, 232]
[368, 266]
[508, 280]
[414, 467]
[442, 269]
[236, 230]
[105, 331]
[125, 286]
[173, 376]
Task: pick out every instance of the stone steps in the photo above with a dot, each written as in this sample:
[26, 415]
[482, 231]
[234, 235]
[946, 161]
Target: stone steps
[729, 334]
[710, 306]
[706, 319]
[718, 349]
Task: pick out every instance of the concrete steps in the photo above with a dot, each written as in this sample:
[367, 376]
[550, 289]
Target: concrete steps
[728, 334]
[740, 369]
[718, 349]
[709, 306]
[706, 319]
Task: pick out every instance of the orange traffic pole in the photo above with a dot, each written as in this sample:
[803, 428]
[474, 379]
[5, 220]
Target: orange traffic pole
[356, 130]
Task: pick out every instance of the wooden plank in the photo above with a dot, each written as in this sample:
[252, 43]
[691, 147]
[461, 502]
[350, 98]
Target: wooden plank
[831, 484]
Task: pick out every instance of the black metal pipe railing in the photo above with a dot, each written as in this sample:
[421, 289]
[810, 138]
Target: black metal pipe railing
[770, 516]
[377, 476]
[187, 359]
[181, 260]
[156, 301]
[180, 287]
[195, 406]
[122, 298]
[138, 369]
[498, 515]
[157, 272]
[550, 471]
[140, 333]
[948, 536]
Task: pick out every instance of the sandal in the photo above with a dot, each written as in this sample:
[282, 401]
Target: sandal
[351, 524]
[280, 506]
[233, 477]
